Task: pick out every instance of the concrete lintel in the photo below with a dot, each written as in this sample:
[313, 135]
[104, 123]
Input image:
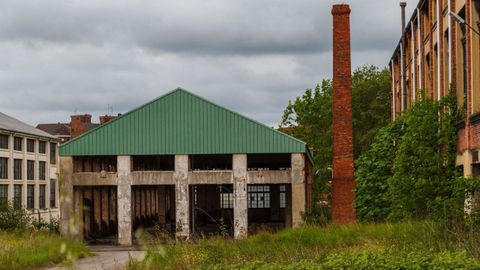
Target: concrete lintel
[298, 188]
[181, 197]
[210, 177]
[153, 178]
[124, 196]
[240, 208]
[95, 179]
[270, 177]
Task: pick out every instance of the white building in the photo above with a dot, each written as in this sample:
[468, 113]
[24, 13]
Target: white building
[28, 168]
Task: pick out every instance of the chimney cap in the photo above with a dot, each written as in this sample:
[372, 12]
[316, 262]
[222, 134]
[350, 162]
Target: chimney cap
[340, 9]
[403, 4]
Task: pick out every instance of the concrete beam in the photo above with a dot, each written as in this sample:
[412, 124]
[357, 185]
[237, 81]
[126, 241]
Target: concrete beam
[298, 188]
[124, 190]
[240, 207]
[181, 197]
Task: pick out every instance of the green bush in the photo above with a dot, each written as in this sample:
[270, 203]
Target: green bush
[14, 220]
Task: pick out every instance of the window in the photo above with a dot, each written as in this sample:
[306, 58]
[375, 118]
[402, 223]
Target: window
[226, 198]
[258, 196]
[30, 196]
[30, 169]
[17, 143]
[283, 196]
[30, 146]
[53, 193]
[3, 141]
[41, 197]
[41, 170]
[53, 153]
[17, 169]
[3, 196]
[3, 168]
[42, 147]
[17, 196]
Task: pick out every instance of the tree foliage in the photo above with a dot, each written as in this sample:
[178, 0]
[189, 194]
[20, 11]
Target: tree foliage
[409, 172]
[309, 117]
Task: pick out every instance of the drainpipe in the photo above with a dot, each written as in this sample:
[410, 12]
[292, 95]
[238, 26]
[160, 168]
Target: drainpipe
[404, 59]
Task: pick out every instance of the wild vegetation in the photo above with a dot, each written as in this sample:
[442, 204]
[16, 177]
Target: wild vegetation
[28, 243]
[409, 245]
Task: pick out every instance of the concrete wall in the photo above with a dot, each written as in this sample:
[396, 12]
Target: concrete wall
[124, 195]
[240, 208]
[182, 197]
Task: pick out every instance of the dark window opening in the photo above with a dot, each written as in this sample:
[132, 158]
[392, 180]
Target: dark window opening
[17, 169]
[30, 169]
[17, 196]
[154, 163]
[30, 145]
[17, 143]
[41, 170]
[30, 196]
[41, 197]
[226, 197]
[3, 168]
[53, 194]
[95, 164]
[42, 147]
[3, 196]
[53, 153]
[3, 141]
[269, 162]
[210, 162]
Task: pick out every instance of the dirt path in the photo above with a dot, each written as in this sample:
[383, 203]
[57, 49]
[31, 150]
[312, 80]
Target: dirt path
[106, 258]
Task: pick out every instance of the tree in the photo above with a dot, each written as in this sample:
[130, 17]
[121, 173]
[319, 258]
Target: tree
[309, 118]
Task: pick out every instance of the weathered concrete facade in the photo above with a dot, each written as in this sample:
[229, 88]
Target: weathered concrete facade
[240, 209]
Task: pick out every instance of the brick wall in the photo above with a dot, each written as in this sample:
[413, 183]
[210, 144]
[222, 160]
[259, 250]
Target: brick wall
[343, 183]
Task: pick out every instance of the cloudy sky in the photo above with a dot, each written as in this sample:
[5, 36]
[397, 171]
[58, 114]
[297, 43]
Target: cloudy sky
[253, 56]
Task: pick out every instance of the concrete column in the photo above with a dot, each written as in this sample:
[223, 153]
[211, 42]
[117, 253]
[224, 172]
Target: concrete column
[181, 197]
[124, 197]
[298, 188]
[240, 207]
[69, 225]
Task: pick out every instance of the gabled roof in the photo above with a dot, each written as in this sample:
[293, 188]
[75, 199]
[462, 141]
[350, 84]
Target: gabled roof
[11, 124]
[180, 122]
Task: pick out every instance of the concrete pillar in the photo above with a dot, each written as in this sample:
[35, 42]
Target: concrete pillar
[181, 197]
[69, 225]
[298, 188]
[124, 189]
[240, 207]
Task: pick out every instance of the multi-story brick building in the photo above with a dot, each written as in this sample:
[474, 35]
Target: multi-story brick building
[28, 168]
[442, 54]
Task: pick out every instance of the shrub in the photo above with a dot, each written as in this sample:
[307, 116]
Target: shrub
[14, 220]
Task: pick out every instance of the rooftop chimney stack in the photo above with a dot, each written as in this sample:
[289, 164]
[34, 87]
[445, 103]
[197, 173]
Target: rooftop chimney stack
[343, 182]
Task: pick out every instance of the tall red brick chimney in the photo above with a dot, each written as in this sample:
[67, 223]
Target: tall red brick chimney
[343, 183]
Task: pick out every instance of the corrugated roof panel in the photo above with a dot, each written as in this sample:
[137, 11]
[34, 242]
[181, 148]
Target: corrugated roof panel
[181, 123]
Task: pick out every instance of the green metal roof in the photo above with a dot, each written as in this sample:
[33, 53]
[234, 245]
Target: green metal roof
[180, 122]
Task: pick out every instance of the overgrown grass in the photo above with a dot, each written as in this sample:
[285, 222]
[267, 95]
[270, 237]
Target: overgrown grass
[34, 249]
[419, 245]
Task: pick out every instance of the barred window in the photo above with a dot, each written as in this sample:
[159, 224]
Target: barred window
[53, 153]
[41, 197]
[42, 147]
[258, 196]
[30, 145]
[41, 170]
[3, 196]
[226, 199]
[17, 169]
[17, 196]
[53, 193]
[17, 143]
[3, 141]
[30, 169]
[30, 196]
[283, 196]
[3, 168]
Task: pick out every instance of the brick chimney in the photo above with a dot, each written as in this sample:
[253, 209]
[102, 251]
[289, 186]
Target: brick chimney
[105, 118]
[77, 122]
[343, 183]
